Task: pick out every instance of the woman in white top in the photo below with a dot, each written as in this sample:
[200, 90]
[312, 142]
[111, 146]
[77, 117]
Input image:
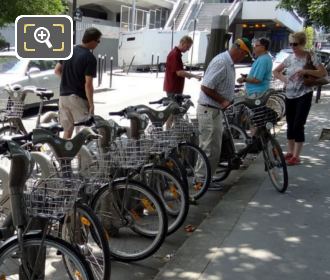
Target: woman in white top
[298, 96]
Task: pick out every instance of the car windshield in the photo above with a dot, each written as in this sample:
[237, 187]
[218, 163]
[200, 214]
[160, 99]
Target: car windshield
[11, 65]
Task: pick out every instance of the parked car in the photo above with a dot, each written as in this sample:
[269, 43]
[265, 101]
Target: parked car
[280, 56]
[39, 73]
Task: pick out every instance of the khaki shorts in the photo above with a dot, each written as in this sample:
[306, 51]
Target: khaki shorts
[72, 109]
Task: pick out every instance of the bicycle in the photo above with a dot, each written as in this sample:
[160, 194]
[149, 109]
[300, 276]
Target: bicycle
[12, 107]
[187, 152]
[27, 254]
[80, 226]
[236, 144]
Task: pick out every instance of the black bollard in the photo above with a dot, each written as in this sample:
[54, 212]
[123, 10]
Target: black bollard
[99, 69]
[111, 59]
[157, 66]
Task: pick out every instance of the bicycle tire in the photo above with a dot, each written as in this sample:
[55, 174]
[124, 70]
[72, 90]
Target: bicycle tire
[10, 252]
[275, 162]
[172, 163]
[124, 219]
[171, 192]
[93, 243]
[240, 141]
[189, 154]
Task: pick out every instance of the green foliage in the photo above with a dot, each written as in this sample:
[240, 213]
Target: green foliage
[310, 37]
[10, 9]
[313, 11]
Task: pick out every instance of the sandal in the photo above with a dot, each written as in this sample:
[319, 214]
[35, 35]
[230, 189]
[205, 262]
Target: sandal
[293, 161]
[288, 156]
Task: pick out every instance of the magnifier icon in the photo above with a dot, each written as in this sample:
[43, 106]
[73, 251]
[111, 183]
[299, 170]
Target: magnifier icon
[41, 35]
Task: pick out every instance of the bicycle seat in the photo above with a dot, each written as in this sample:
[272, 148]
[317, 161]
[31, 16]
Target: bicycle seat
[63, 148]
[44, 93]
[155, 116]
[54, 127]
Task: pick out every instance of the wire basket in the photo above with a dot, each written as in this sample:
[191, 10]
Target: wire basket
[262, 115]
[183, 128]
[51, 197]
[162, 141]
[11, 108]
[129, 153]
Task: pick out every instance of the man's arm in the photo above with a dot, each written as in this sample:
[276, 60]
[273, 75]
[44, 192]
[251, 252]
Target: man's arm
[58, 69]
[185, 74]
[215, 96]
[89, 89]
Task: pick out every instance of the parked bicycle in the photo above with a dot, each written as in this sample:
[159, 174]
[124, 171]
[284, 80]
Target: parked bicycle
[236, 143]
[29, 255]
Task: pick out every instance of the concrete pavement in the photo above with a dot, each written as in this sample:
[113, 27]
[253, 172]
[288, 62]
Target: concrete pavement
[256, 233]
[251, 232]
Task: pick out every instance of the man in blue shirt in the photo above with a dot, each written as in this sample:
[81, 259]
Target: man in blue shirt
[258, 80]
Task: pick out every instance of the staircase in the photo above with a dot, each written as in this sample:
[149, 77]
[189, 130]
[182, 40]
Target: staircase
[181, 14]
[208, 11]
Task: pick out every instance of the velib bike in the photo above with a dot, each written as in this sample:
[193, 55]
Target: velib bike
[237, 143]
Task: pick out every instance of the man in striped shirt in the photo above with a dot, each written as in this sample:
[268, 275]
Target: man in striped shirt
[217, 92]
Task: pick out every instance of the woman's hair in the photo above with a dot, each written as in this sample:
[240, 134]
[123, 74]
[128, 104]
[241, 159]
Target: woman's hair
[299, 37]
[91, 34]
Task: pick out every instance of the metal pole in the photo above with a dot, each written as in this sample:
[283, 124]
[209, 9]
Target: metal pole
[74, 23]
[152, 62]
[111, 59]
[105, 64]
[99, 69]
[192, 47]
[157, 66]
[173, 27]
[130, 65]
[318, 94]
[133, 14]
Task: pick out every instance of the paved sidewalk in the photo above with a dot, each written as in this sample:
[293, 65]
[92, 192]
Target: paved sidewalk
[257, 233]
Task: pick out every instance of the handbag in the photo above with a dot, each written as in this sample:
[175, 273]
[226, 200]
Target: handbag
[310, 80]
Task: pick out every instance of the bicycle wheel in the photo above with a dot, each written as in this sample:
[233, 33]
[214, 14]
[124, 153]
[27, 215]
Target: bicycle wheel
[240, 140]
[86, 233]
[275, 164]
[171, 192]
[190, 156]
[172, 163]
[54, 250]
[134, 218]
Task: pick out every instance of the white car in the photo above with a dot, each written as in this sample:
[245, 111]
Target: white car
[26, 72]
[280, 56]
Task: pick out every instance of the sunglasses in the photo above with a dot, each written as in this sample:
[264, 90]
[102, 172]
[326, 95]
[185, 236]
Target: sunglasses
[293, 44]
[98, 41]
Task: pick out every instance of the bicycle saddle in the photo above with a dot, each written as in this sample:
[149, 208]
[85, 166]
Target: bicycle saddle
[156, 116]
[44, 93]
[54, 127]
[63, 148]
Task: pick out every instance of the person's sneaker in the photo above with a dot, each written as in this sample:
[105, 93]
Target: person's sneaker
[288, 156]
[293, 161]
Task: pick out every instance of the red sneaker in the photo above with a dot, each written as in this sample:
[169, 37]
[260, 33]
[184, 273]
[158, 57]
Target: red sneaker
[293, 161]
[288, 156]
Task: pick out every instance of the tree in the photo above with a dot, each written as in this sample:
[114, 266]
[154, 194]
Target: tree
[310, 37]
[313, 11]
[10, 9]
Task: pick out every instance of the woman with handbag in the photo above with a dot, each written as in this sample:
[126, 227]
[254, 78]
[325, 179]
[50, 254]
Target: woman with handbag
[301, 67]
